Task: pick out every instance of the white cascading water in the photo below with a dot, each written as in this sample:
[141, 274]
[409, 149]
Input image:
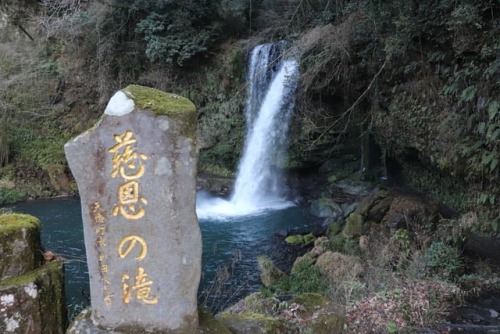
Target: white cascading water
[258, 187]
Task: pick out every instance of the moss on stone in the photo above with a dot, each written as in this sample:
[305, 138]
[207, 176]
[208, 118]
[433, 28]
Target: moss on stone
[31, 276]
[311, 301]
[45, 308]
[270, 274]
[165, 104]
[209, 324]
[20, 244]
[326, 324]
[160, 102]
[354, 225]
[11, 223]
[296, 239]
[308, 239]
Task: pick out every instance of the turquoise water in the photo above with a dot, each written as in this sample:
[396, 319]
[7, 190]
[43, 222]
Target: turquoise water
[230, 247]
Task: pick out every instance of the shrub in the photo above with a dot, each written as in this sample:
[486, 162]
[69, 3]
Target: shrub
[8, 196]
[443, 260]
[306, 278]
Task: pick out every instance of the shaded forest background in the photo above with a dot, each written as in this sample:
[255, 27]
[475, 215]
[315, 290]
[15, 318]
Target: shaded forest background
[420, 80]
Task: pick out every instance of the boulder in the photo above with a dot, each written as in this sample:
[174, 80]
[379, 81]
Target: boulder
[410, 211]
[300, 239]
[338, 267]
[334, 228]
[256, 302]
[321, 245]
[326, 207]
[327, 323]
[374, 207]
[311, 302]
[270, 274]
[307, 257]
[353, 226]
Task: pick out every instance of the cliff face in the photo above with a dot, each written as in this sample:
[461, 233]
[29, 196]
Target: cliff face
[422, 80]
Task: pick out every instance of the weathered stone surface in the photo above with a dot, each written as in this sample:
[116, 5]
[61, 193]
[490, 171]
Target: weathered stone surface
[34, 302]
[136, 174]
[20, 247]
[326, 207]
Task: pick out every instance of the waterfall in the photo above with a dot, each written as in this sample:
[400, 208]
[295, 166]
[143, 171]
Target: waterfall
[272, 81]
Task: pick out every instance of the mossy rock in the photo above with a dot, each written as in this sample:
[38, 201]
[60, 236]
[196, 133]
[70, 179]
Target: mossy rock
[354, 225]
[160, 102]
[338, 268]
[329, 323]
[165, 104]
[295, 239]
[312, 302]
[270, 274]
[300, 239]
[334, 228]
[208, 324]
[20, 246]
[251, 323]
[257, 302]
[34, 302]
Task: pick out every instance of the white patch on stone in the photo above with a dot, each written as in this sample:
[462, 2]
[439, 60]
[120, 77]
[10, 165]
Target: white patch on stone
[185, 260]
[11, 324]
[163, 167]
[164, 125]
[7, 300]
[24, 233]
[119, 104]
[31, 290]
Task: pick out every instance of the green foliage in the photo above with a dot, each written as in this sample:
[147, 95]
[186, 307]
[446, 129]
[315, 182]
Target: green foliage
[443, 261]
[392, 327]
[38, 150]
[306, 278]
[402, 240]
[179, 44]
[8, 196]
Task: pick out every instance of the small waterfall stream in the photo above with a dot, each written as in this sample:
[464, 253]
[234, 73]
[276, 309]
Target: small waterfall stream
[272, 81]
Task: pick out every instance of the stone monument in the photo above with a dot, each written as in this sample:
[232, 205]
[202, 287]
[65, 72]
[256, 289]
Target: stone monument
[136, 175]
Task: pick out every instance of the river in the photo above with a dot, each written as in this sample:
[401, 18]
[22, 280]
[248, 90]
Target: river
[230, 247]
